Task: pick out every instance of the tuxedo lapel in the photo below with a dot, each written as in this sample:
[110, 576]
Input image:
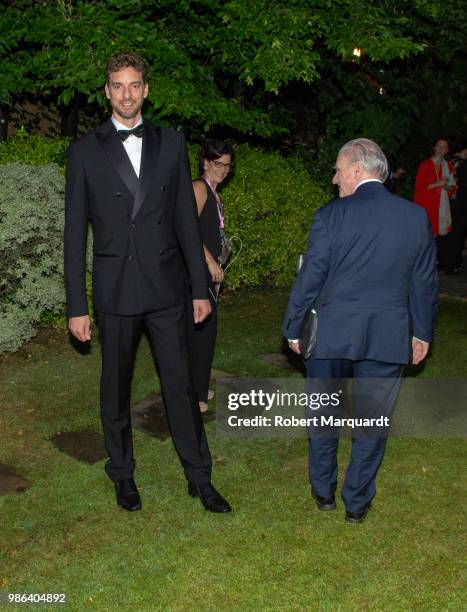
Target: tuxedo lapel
[149, 157]
[113, 148]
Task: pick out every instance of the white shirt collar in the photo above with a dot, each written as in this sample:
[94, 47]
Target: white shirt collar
[120, 126]
[370, 180]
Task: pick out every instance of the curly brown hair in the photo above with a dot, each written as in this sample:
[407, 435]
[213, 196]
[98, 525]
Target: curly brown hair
[124, 60]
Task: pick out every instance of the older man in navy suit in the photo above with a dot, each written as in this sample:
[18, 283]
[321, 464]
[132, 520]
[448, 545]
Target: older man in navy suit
[370, 272]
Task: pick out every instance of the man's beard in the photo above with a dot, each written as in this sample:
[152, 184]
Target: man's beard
[129, 113]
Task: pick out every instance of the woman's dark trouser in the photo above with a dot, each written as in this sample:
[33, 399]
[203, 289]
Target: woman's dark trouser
[459, 229]
[119, 336]
[202, 343]
[447, 251]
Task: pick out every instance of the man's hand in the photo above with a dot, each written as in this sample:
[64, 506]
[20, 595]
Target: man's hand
[201, 310]
[80, 327]
[419, 350]
[294, 346]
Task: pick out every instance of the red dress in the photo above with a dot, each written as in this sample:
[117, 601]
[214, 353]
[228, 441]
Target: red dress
[430, 198]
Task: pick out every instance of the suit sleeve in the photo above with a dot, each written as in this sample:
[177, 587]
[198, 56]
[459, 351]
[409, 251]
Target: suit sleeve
[310, 279]
[423, 291]
[187, 228]
[76, 230]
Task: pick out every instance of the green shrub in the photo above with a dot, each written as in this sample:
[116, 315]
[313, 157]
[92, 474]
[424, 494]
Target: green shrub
[31, 237]
[25, 148]
[269, 202]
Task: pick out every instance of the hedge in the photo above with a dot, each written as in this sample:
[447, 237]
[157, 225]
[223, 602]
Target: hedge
[269, 202]
[33, 150]
[31, 236]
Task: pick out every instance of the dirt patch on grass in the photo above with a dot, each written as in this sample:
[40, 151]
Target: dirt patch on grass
[12, 483]
[87, 446]
[50, 339]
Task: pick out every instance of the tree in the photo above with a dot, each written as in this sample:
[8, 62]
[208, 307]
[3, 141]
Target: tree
[213, 62]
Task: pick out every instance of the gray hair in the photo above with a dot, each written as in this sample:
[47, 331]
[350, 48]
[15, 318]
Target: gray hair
[368, 154]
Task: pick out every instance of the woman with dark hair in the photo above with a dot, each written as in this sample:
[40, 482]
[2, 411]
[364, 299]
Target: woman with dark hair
[434, 185]
[216, 162]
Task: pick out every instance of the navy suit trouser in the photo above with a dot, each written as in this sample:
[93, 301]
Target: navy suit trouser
[375, 389]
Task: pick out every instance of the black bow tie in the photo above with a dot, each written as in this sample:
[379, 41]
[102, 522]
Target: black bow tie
[136, 131]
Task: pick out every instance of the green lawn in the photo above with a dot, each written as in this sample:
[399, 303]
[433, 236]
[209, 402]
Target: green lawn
[276, 551]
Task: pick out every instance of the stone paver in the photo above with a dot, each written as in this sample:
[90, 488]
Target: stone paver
[455, 284]
[149, 417]
[283, 361]
[220, 374]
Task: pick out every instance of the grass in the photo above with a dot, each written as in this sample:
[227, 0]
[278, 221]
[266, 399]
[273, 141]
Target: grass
[276, 551]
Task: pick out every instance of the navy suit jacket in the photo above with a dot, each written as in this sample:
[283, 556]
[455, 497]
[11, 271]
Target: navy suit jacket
[370, 270]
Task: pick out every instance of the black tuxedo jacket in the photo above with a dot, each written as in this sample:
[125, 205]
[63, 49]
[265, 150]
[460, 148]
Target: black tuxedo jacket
[146, 232]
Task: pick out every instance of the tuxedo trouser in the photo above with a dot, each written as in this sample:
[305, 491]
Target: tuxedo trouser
[375, 389]
[202, 343]
[119, 336]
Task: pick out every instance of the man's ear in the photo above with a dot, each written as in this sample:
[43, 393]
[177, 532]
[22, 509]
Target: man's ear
[107, 92]
[146, 89]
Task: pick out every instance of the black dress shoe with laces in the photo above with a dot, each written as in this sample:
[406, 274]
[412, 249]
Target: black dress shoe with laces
[357, 517]
[211, 499]
[127, 494]
[324, 503]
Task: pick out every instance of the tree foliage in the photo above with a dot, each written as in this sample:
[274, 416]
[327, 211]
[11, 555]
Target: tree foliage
[213, 62]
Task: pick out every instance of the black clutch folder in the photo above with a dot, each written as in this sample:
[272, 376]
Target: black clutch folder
[308, 331]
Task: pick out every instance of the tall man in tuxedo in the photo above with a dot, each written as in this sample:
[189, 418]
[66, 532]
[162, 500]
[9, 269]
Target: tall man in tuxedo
[370, 271]
[131, 180]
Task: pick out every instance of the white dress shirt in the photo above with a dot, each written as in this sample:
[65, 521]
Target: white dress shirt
[133, 145]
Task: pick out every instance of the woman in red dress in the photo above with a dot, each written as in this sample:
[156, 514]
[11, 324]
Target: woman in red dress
[434, 185]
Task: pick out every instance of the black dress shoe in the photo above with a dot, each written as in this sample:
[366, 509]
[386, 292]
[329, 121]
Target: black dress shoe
[127, 495]
[358, 517]
[211, 499]
[324, 503]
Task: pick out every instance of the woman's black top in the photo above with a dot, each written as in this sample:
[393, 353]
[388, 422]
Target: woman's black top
[209, 224]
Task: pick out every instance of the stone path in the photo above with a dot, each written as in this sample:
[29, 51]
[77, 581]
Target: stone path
[454, 284]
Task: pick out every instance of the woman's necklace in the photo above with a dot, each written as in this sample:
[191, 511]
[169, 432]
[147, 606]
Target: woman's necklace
[220, 208]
